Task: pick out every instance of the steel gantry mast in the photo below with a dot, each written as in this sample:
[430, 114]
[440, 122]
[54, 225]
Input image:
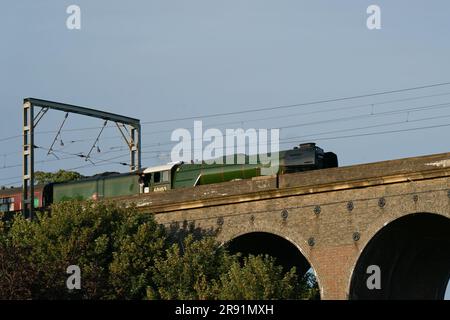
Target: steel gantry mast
[30, 121]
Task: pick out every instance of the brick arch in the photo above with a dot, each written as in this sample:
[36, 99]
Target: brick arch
[297, 240]
[377, 226]
[385, 219]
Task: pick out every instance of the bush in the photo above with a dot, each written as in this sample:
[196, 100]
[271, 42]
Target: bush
[114, 247]
[124, 254]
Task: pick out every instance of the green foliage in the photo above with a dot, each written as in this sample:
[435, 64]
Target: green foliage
[124, 254]
[309, 287]
[112, 245]
[258, 279]
[139, 241]
[16, 273]
[191, 269]
[41, 177]
[205, 270]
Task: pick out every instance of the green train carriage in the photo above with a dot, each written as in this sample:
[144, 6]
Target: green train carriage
[97, 187]
[183, 175]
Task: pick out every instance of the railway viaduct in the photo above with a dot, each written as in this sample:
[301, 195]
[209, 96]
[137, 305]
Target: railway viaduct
[391, 214]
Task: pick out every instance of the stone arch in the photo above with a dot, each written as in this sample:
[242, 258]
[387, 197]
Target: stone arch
[385, 219]
[414, 239]
[233, 231]
[375, 226]
[293, 239]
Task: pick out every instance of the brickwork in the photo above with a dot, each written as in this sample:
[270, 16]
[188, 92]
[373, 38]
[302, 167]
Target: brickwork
[340, 209]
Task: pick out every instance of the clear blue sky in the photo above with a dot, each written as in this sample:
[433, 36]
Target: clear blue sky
[158, 60]
[163, 59]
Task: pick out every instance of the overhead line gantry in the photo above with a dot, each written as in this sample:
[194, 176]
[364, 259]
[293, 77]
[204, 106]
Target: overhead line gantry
[132, 137]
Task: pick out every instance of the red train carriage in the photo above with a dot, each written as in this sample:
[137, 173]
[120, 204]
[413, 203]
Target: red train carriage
[11, 199]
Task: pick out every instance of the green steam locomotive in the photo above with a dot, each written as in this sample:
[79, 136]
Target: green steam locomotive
[175, 175]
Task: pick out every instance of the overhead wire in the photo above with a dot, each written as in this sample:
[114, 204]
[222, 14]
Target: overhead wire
[409, 110]
[261, 109]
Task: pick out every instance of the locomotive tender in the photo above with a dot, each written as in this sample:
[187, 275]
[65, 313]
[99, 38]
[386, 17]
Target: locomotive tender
[164, 177]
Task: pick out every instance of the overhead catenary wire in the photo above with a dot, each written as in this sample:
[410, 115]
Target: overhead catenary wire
[80, 155]
[303, 124]
[288, 140]
[304, 104]
[261, 109]
[285, 142]
[333, 120]
[412, 109]
[367, 127]
[58, 133]
[96, 141]
[73, 156]
[420, 108]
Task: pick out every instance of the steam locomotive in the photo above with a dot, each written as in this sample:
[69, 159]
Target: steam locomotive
[176, 175]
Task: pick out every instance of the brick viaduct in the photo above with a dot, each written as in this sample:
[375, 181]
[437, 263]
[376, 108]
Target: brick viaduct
[393, 214]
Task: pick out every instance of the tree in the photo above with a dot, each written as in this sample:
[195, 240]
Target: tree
[41, 177]
[114, 247]
[259, 278]
[191, 270]
[139, 241]
[123, 253]
[309, 287]
[203, 269]
[16, 273]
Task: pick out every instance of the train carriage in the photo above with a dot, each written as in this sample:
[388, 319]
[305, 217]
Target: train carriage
[174, 175]
[97, 187]
[11, 198]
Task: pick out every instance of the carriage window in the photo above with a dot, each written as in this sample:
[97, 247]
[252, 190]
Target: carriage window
[6, 204]
[4, 207]
[162, 176]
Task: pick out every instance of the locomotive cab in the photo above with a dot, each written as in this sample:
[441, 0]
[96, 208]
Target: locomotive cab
[158, 178]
